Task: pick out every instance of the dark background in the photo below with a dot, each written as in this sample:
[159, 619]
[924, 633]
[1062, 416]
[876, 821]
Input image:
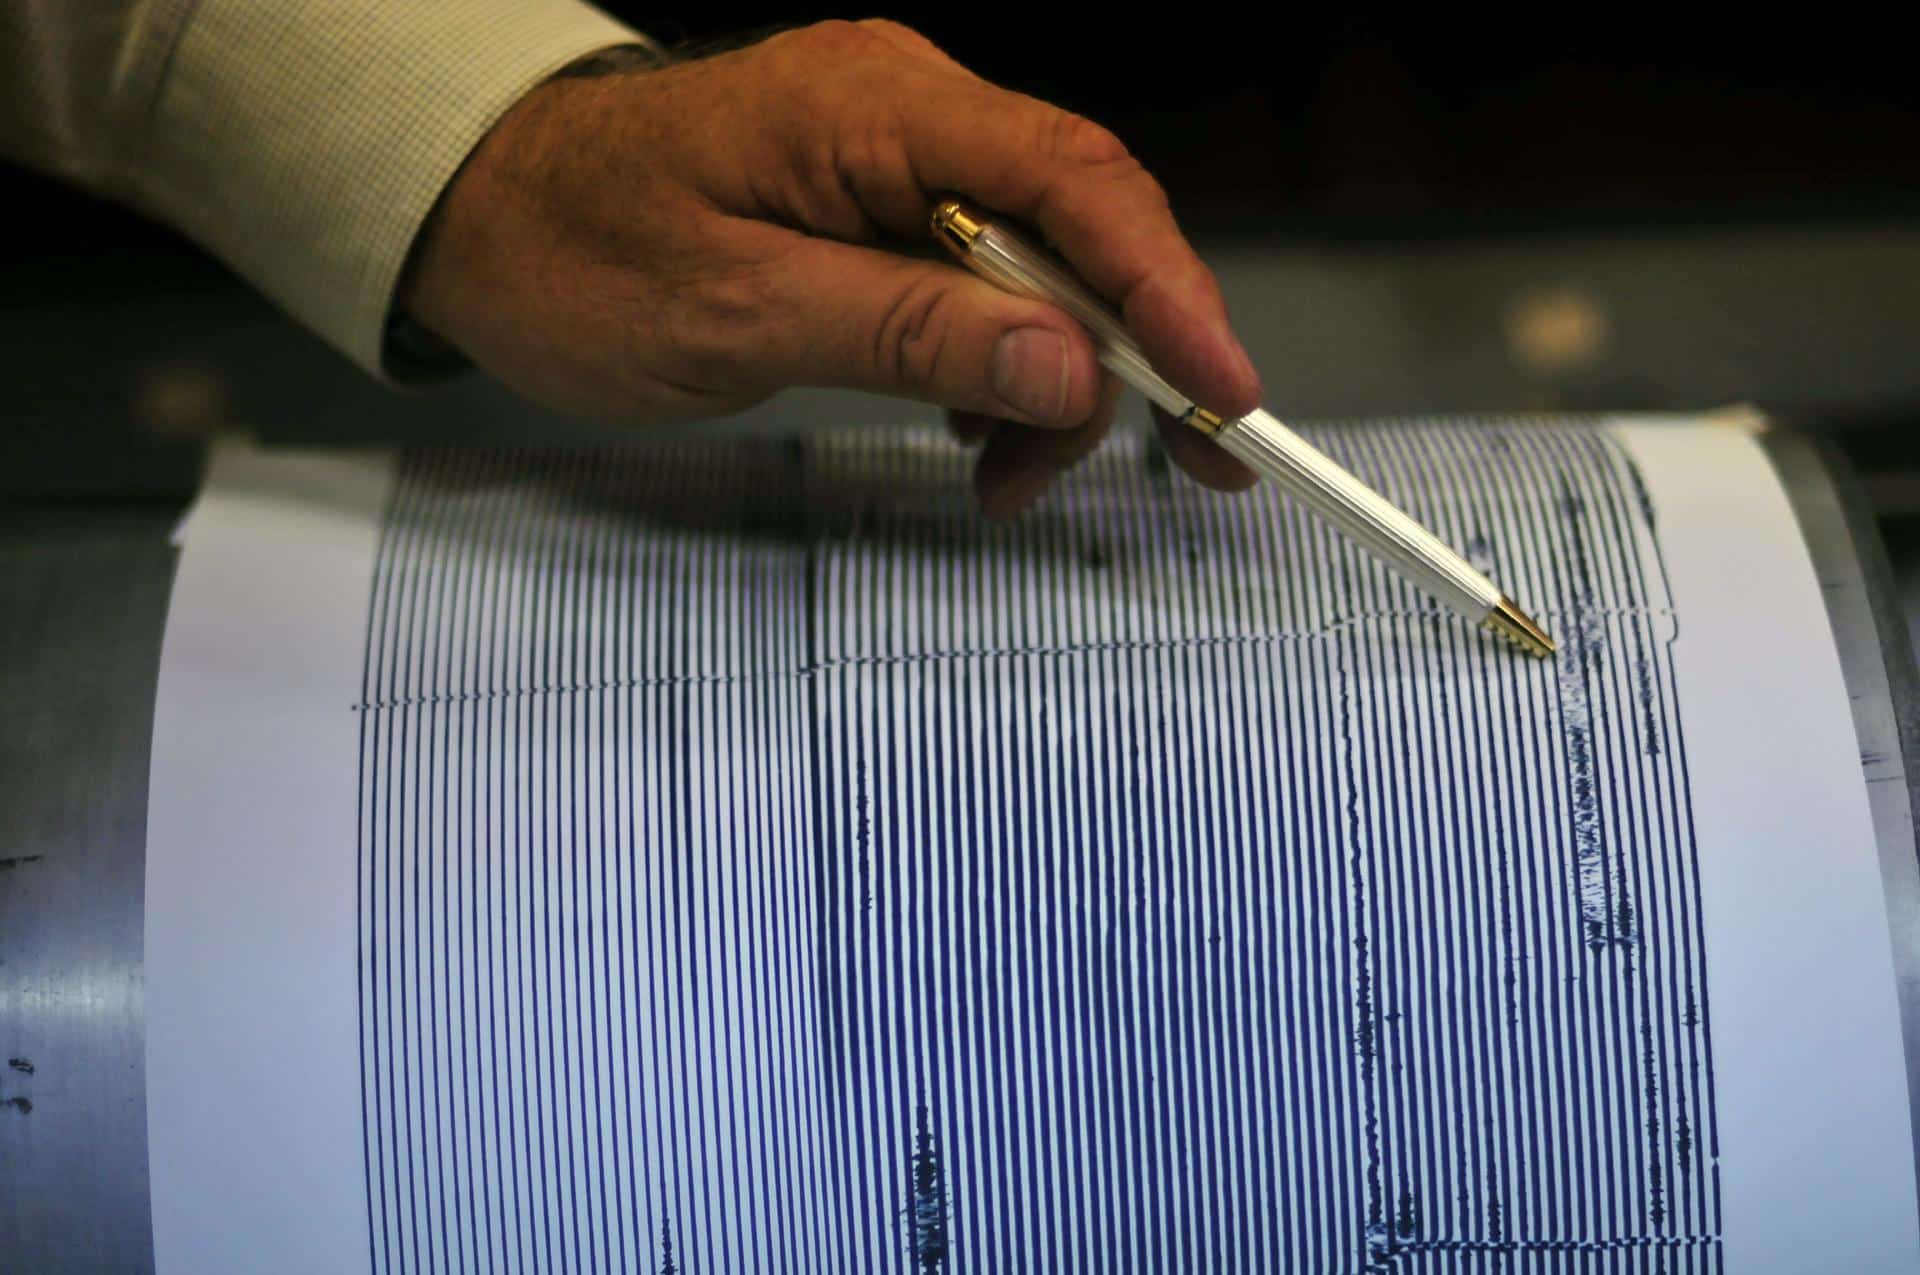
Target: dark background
[1398, 125]
[1450, 123]
[1727, 208]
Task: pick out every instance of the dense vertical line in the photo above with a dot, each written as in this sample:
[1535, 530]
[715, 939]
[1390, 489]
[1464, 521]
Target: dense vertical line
[1246, 834]
[1637, 1190]
[428, 852]
[389, 1021]
[1116, 1024]
[636, 1134]
[1336, 1240]
[1463, 909]
[797, 744]
[1039, 781]
[598, 674]
[552, 915]
[429, 860]
[1043, 767]
[1626, 1172]
[1224, 781]
[1365, 741]
[497, 521]
[1273, 878]
[866, 567]
[1516, 1193]
[889, 843]
[746, 1097]
[574, 705]
[456, 694]
[1433, 1087]
[952, 1118]
[435, 854]
[700, 1021]
[1663, 741]
[790, 747]
[539, 759]
[1202, 897]
[1409, 916]
[662, 917]
[929, 994]
[369, 774]
[1577, 696]
[1512, 1191]
[1125, 664]
[828, 610]
[896, 847]
[1298, 1013]
[1010, 1237]
[1198, 795]
[781, 1197]
[973, 1240]
[571, 623]
[1502, 791]
[514, 668]
[1177, 665]
[407, 1049]
[1654, 884]
[612, 856]
[1102, 888]
[1174, 1227]
[1564, 1020]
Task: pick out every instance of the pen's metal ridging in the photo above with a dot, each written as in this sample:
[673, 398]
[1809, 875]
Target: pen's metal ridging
[1519, 628]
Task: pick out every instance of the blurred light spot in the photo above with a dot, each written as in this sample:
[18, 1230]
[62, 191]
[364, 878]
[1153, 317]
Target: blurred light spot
[181, 400]
[1556, 331]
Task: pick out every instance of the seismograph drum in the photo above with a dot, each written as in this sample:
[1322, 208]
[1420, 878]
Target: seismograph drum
[692, 921]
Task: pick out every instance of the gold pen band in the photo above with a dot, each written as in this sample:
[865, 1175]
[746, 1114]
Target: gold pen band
[955, 227]
[1203, 420]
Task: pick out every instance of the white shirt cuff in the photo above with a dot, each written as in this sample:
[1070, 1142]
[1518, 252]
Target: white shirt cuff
[305, 141]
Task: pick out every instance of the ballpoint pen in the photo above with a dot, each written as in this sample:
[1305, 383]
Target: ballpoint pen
[1001, 257]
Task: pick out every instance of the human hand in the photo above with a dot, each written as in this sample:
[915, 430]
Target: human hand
[682, 242]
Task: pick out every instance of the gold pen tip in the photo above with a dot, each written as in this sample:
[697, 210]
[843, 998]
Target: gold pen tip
[1517, 627]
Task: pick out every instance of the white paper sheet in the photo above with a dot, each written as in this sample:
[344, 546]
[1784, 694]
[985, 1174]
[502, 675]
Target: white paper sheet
[741, 853]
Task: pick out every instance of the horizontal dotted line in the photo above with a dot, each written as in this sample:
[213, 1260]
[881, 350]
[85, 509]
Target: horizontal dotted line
[1414, 1248]
[929, 657]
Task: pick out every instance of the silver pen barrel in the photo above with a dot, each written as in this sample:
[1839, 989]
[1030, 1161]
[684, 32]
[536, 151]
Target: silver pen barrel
[1268, 447]
[1273, 451]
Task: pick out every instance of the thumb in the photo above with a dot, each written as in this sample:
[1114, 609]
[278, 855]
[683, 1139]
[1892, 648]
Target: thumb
[865, 319]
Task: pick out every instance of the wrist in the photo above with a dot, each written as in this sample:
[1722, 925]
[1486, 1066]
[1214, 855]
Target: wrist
[413, 347]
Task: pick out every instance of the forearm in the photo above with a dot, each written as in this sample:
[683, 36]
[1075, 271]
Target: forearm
[303, 142]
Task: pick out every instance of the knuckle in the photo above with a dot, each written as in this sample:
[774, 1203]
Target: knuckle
[901, 38]
[1078, 140]
[842, 71]
[884, 27]
[711, 327]
[1146, 184]
[912, 332]
[867, 151]
[839, 38]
